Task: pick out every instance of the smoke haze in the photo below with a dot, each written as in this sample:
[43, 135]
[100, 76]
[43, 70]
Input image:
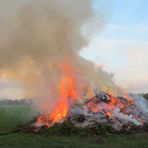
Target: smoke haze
[46, 39]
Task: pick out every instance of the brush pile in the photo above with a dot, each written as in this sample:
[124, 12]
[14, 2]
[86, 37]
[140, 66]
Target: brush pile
[117, 112]
[100, 114]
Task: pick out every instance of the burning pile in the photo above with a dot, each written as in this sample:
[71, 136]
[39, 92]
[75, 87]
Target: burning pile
[118, 112]
[55, 42]
[103, 108]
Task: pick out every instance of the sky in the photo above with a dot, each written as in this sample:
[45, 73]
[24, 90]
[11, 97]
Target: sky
[121, 46]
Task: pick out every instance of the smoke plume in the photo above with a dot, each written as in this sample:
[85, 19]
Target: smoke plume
[45, 43]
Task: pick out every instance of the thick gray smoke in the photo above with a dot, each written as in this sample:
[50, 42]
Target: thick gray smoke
[49, 35]
[46, 28]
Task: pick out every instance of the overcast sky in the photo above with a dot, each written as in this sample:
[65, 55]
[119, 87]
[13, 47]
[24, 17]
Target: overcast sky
[121, 48]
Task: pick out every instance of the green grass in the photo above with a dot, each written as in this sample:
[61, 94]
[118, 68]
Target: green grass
[37, 141]
[10, 116]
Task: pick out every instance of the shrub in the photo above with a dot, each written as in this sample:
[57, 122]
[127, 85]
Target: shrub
[67, 128]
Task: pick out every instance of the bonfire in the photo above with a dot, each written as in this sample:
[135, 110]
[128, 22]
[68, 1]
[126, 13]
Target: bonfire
[88, 112]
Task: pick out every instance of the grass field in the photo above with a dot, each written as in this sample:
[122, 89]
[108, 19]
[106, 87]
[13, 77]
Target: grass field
[10, 116]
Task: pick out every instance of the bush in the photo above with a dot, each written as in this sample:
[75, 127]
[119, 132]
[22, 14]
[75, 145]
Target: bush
[67, 128]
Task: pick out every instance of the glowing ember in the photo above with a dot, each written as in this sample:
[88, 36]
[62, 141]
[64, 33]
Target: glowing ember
[109, 114]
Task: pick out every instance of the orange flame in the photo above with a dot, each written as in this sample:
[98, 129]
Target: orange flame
[109, 114]
[67, 97]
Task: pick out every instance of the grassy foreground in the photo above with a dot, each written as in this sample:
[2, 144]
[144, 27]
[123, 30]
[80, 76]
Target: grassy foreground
[10, 116]
[36, 141]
